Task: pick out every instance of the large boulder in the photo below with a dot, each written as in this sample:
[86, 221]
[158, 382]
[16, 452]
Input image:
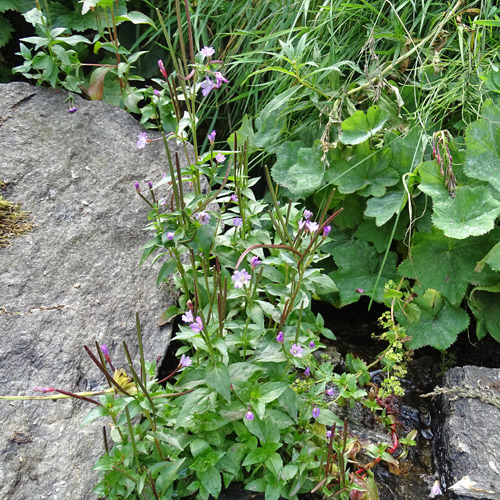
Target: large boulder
[467, 441]
[71, 281]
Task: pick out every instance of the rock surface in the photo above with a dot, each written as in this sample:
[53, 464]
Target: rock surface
[467, 444]
[71, 281]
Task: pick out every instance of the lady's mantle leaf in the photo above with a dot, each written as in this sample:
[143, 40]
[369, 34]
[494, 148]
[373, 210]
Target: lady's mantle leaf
[483, 302]
[439, 323]
[483, 146]
[492, 258]
[432, 182]
[360, 127]
[471, 213]
[444, 264]
[298, 168]
[384, 208]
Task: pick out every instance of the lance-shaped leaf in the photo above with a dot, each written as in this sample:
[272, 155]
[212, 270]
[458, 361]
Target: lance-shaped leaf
[360, 127]
[359, 266]
[483, 146]
[367, 172]
[217, 377]
[446, 265]
[492, 258]
[471, 213]
[439, 323]
[484, 302]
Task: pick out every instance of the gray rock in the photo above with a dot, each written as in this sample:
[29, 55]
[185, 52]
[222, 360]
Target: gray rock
[467, 442]
[71, 281]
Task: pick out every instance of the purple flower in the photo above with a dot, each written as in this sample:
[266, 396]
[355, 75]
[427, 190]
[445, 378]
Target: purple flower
[207, 51]
[143, 139]
[43, 389]
[307, 214]
[255, 262]
[188, 317]
[207, 86]
[307, 372]
[150, 184]
[360, 290]
[156, 92]
[170, 235]
[220, 78]
[326, 231]
[329, 392]
[185, 361]
[234, 198]
[312, 227]
[137, 187]
[296, 350]
[104, 349]
[280, 338]
[72, 109]
[302, 223]
[240, 278]
[315, 412]
[249, 415]
[238, 221]
[162, 68]
[197, 326]
[203, 218]
[211, 136]
[219, 157]
[328, 434]
[312, 344]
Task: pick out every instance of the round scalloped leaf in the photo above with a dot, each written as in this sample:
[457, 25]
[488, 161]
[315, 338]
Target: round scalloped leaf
[360, 127]
[471, 213]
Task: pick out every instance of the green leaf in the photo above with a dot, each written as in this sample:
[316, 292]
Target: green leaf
[439, 323]
[243, 371]
[471, 213]
[96, 87]
[206, 234]
[360, 127]
[6, 29]
[299, 169]
[218, 379]
[270, 391]
[482, 139]
[359, 266]
[384, 208]
[444, 264]
[432, 182]
[211, 481]
[484, 302]
[366, 172]
[492, 258]
[166, 270]
[244, 134]
[98, 411]
[136, 18]
[406, 150]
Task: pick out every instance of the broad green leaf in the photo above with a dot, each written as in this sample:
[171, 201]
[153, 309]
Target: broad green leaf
[432, 182]
[218, 379]
[406, 150]
[166, 270]
[381, 236]
[96, 87]
[439, 323]
[483, 146]
[197, 401]
[168, 472]
[360, 127]
[288, 402]
[484, 303]
[244, 134]
[270, 391]
[136, 18]
[243, 371]
[359, 265]
[96, 412]
[211, 481]
[206, 234]
[384, 208]
[6, 29]
[445, 264]
[366, 172]
[299, 169]
[492, 258]
[17, 5]
[471, 213]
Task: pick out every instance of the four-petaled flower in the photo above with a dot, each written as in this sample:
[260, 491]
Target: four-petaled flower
[280, 338]
[219, 157]
[211, 136]
[312, 227]
[234, 198]
[307, 214]
[296, 350]
[326, 231]
[162, 68]
[240, 278]
[185, 361]
[197, 326]
[315, 412]
[207, 51]
[188, 317]
[143, 139]
[170, 235]
[302, 223]
[220, 78]
[329, 392]
[255, 262]
[207, 86]
[249, 415]
[203, 218]
[238, 221]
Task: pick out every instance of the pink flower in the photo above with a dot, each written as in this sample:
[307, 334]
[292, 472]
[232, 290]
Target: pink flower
[219, 157]
[329, 392]
[326, 231]
[220, 78]
[162, 68]
[234, 198]
[249, 415]
[203, 218]
[315, 412]
[143, 139]
[185, 361]
[312, 344]
[328, 434]
[207, 51]
[104, 349]
[296, 350]
[307, 372]
[255, 262]
[360, 290]
[73, 109]
[238, 221]
[436, 489]
[280, 338]
[137, 187]
[240, 278]
[43, 389]
[170, 235]
[156, 92]
[211, 136]
[197, 326]
[207, 86]
[188, 317]
[307, 214]
[312, 227]
[302, 223]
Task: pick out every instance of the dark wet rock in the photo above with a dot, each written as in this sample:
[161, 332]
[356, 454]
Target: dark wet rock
[467, 441]
[72, 280]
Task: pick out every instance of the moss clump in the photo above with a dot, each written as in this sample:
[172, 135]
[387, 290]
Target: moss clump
[13, 220]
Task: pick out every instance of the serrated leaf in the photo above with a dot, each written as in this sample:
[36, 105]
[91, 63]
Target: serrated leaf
[360, 126]
[484, 303]
[439, 323]
[471, 213]
[482, 139]
[298, 168]
[217, 377]
[492, 258]
[17, 5]
[444, 264]
[367, 172]
[6, 29]
[385, 207]
[359, 266]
